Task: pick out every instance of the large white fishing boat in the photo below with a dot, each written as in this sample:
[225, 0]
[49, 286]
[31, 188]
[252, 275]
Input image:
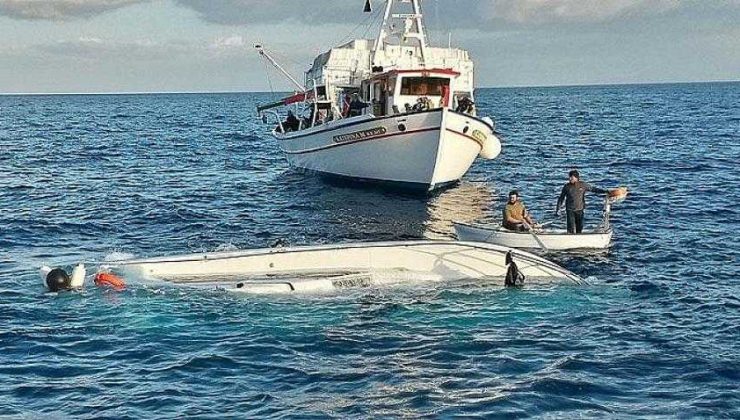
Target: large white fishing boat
[393, 110]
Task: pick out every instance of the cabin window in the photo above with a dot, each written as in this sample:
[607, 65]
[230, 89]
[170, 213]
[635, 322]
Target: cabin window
[423, 86]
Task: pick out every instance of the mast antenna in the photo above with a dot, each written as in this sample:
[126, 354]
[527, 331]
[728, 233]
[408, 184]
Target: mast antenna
[412, 27]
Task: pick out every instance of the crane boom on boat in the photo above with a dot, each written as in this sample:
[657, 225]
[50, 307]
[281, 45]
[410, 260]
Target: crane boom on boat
[261, 50]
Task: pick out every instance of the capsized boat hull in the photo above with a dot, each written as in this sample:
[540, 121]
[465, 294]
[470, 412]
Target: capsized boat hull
[334, 267]
[423, 150]
[554, 240]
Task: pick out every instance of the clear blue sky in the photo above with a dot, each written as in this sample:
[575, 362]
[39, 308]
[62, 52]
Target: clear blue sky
[206, 45]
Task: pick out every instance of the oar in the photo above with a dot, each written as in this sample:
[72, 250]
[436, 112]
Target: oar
[536, 238]
[547, 223]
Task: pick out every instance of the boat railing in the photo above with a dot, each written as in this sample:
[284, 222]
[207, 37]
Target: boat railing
[606, 213]
[265, 119]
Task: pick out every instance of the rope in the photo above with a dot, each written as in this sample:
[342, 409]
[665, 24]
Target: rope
[375, 19]
[368, 19]
[269, 80]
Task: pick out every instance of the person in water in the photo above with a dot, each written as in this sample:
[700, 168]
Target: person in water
[516, 216]
[574, 195]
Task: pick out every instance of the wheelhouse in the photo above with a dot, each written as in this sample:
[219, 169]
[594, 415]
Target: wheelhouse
[401, 91]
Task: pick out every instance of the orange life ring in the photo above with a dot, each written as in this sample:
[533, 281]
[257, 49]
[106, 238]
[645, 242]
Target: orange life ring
[110, 280]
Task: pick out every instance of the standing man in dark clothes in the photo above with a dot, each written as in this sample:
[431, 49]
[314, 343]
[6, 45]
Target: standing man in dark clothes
[574, 194]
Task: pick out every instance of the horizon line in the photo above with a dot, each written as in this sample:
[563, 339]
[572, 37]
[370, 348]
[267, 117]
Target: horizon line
[281, 91]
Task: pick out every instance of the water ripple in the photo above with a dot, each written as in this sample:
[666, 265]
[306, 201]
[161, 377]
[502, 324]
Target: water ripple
[96, 177]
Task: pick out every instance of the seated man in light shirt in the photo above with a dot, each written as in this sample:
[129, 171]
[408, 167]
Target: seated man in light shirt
[516, 216]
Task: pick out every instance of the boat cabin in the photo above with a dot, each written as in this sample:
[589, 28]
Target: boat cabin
[401, 91]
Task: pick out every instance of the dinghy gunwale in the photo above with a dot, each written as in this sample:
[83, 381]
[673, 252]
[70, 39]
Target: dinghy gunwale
[555, 232]
[602, 236]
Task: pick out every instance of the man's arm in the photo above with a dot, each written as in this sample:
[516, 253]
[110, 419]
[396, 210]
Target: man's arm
[527, 217]
[594, 189]
[561, 199]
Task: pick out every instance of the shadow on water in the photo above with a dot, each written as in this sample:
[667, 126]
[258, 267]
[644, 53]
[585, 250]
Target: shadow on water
[360, 212]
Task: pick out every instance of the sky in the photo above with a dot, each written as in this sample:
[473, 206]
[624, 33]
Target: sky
[97, 46]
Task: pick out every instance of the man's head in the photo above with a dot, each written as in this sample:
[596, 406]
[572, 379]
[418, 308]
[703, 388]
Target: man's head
[513, 196]
[573, 176]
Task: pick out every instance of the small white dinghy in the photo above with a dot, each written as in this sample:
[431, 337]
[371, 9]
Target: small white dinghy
[326, 268]
[546, 239]
[551, 239]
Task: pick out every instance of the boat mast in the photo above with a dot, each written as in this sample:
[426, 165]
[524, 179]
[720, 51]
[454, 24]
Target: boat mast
[272, 61]
[413, 27]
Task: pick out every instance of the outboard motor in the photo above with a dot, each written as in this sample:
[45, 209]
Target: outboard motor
[514, 277]
[57, 279]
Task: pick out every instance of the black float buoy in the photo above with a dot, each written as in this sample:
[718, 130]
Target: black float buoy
[57, 280]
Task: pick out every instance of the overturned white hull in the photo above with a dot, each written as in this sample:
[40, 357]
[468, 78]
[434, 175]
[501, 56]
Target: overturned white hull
[553, 240]
[423, 150]
[335, 267]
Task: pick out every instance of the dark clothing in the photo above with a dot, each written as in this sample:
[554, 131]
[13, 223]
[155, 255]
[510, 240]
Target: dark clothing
[465, 105]
[575, 195]
[575, 220]
[291, 123]
[356, 107]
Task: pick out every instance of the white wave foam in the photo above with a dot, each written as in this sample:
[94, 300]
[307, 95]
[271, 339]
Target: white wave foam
[118, 256]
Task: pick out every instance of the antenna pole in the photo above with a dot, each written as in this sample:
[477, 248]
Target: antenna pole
[413, 27]
[420, 35]
[382, 34]
[272, 61]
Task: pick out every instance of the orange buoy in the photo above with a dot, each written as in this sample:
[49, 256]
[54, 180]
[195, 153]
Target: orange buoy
[110, 280]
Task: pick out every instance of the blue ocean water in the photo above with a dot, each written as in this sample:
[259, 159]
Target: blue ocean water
[656, 334]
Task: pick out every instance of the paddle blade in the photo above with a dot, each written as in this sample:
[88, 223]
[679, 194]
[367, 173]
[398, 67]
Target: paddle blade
[368, 7]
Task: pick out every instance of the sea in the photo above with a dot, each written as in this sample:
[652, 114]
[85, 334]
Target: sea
[655, 334]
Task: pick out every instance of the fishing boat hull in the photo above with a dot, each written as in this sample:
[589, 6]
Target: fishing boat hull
[423, 150]
[553, 240]
[335, 267]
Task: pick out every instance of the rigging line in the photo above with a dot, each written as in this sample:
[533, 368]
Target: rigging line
[269, 79]
[286, 58]
[429, 29]
[295, 67]
[349, 35]
[375, 19]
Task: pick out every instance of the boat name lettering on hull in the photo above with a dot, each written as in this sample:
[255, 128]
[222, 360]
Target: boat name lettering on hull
[478, 135]
[350, 283]
[360, 135]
